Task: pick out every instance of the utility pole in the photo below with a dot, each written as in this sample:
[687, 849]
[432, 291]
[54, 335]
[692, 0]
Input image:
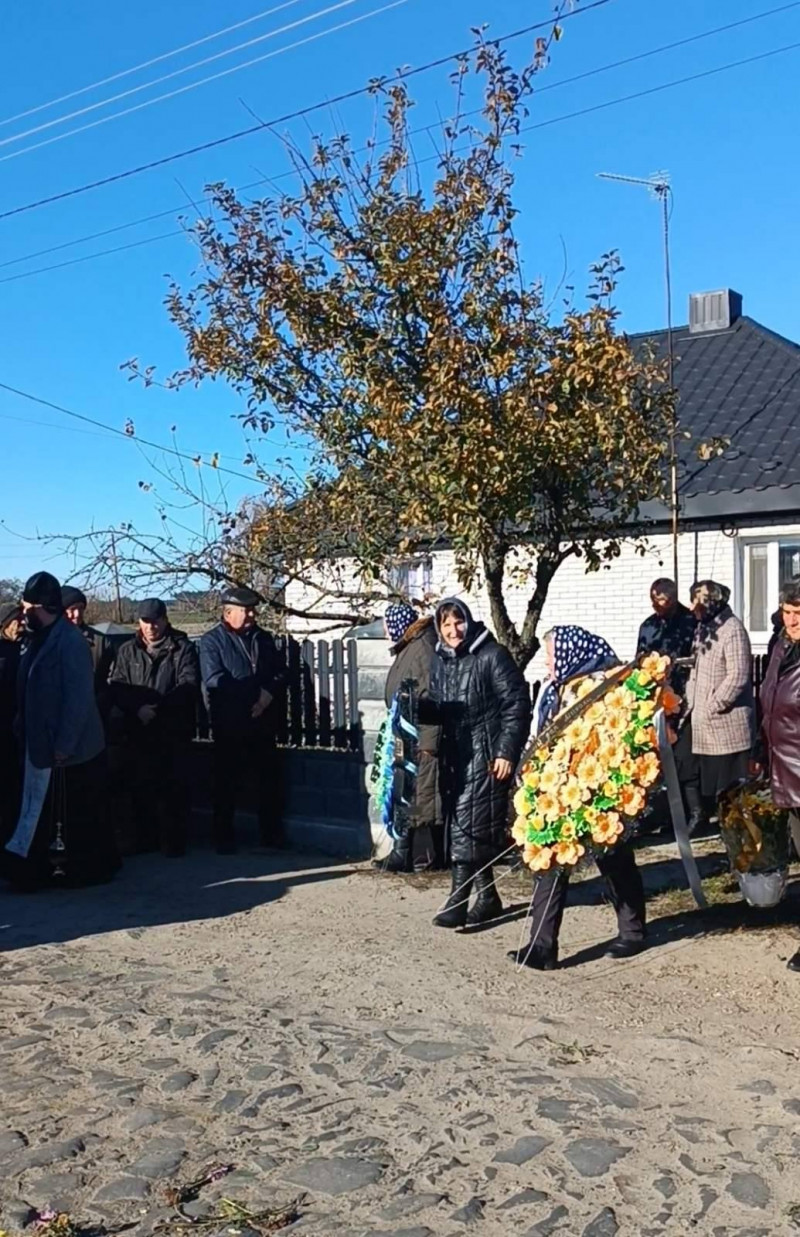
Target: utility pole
[115, 569]
[659, 186]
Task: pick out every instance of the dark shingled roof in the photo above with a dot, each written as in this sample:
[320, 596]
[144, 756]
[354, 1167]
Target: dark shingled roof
[742, 383]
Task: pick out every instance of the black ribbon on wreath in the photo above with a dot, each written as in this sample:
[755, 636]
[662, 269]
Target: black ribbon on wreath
[57, 853]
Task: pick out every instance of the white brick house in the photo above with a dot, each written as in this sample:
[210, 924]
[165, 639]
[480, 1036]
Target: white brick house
[740, 512]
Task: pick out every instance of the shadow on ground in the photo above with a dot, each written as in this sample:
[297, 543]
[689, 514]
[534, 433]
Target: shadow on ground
[151, 890]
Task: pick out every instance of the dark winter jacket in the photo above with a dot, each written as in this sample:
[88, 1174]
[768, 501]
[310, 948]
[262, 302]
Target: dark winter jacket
[234, 669]
[9, 662]
[777, 632]
[780, 705]
[55, 699]
[168, 678]
[102, 651]
[672, 637]
[484, 707]
[413, 661]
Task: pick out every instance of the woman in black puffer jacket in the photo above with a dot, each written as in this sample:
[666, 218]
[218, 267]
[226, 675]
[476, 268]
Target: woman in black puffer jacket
[484, 707]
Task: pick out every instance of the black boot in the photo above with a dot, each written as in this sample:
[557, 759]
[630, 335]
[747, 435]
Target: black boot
[625, 947]
[794, 962]
[536, 958]
[487, 904]
[399, 860]
[454, 912]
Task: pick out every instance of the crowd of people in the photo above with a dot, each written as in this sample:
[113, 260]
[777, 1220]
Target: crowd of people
[62, 685]
[475, 718]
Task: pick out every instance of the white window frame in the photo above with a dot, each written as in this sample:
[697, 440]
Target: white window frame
[413, 578]
[773, 540]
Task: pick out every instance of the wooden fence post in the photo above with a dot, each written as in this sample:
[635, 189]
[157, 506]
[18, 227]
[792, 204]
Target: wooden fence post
[353, 714]
[324, 698]
[307, 664]
[295, 694]
[339, 712]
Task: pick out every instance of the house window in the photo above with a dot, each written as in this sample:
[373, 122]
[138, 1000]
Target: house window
[412, 578]
[757, 572]
[767, 566]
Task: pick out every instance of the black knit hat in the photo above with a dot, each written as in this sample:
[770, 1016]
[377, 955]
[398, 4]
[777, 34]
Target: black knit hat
[71, 596]
[42, 589]
[152, 610]
[240, 595]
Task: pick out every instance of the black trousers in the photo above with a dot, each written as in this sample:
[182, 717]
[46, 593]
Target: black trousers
[243, 759]
[625, 889]
[159, 781]
[687, 766]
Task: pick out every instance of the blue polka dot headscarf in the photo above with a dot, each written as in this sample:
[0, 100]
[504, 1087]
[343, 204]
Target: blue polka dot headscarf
[399, 616]
[575, 649]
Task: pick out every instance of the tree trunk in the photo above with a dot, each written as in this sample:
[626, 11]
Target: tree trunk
[522, 645]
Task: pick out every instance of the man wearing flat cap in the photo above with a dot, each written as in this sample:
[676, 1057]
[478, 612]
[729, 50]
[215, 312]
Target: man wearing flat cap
[243, 679]
[102, 650]
[62, 833]
[155, 684]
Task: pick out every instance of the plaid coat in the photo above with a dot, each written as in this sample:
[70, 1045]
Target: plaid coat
[720, 689]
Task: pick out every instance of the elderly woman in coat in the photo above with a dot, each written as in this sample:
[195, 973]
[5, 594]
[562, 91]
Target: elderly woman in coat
[574, 654]
[484, 706]
[719, 694]
[780, 704]
[418, 844]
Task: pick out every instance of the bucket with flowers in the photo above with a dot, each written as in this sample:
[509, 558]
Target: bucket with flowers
[756, 837]
[588, 774]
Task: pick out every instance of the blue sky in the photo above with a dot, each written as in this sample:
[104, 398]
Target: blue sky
[729, 143]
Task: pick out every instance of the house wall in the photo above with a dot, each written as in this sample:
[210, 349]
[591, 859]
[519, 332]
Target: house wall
[614, 600]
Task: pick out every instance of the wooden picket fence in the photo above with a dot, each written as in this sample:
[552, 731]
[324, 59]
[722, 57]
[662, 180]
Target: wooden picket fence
[322, 695]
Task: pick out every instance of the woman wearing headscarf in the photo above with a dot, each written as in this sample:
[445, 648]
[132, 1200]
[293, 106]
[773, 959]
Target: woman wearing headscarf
[485, 710]
[573, 654]
[719, 695]
[418, 840]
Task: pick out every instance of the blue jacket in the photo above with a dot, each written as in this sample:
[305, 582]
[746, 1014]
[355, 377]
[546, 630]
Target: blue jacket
[57, 701]
[233, 673]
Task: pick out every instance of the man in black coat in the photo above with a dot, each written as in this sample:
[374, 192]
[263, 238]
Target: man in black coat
[155, 685]
[243, 680]
[670, 630]
[102, 650]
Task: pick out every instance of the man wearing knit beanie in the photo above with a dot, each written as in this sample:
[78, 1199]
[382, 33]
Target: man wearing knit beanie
[102, 650]
[42, 597]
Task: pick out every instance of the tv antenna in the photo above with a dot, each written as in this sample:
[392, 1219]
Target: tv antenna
[659, 186]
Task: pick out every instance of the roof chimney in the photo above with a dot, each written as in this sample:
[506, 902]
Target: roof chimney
[714, 311]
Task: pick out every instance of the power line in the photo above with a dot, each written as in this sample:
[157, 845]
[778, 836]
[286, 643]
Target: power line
[130, 436]
[171, 94]
[147, 64]
[597, 107]
[73, 429]
[102, 253]
[680, 81]
[284, 119]
[171, 211]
